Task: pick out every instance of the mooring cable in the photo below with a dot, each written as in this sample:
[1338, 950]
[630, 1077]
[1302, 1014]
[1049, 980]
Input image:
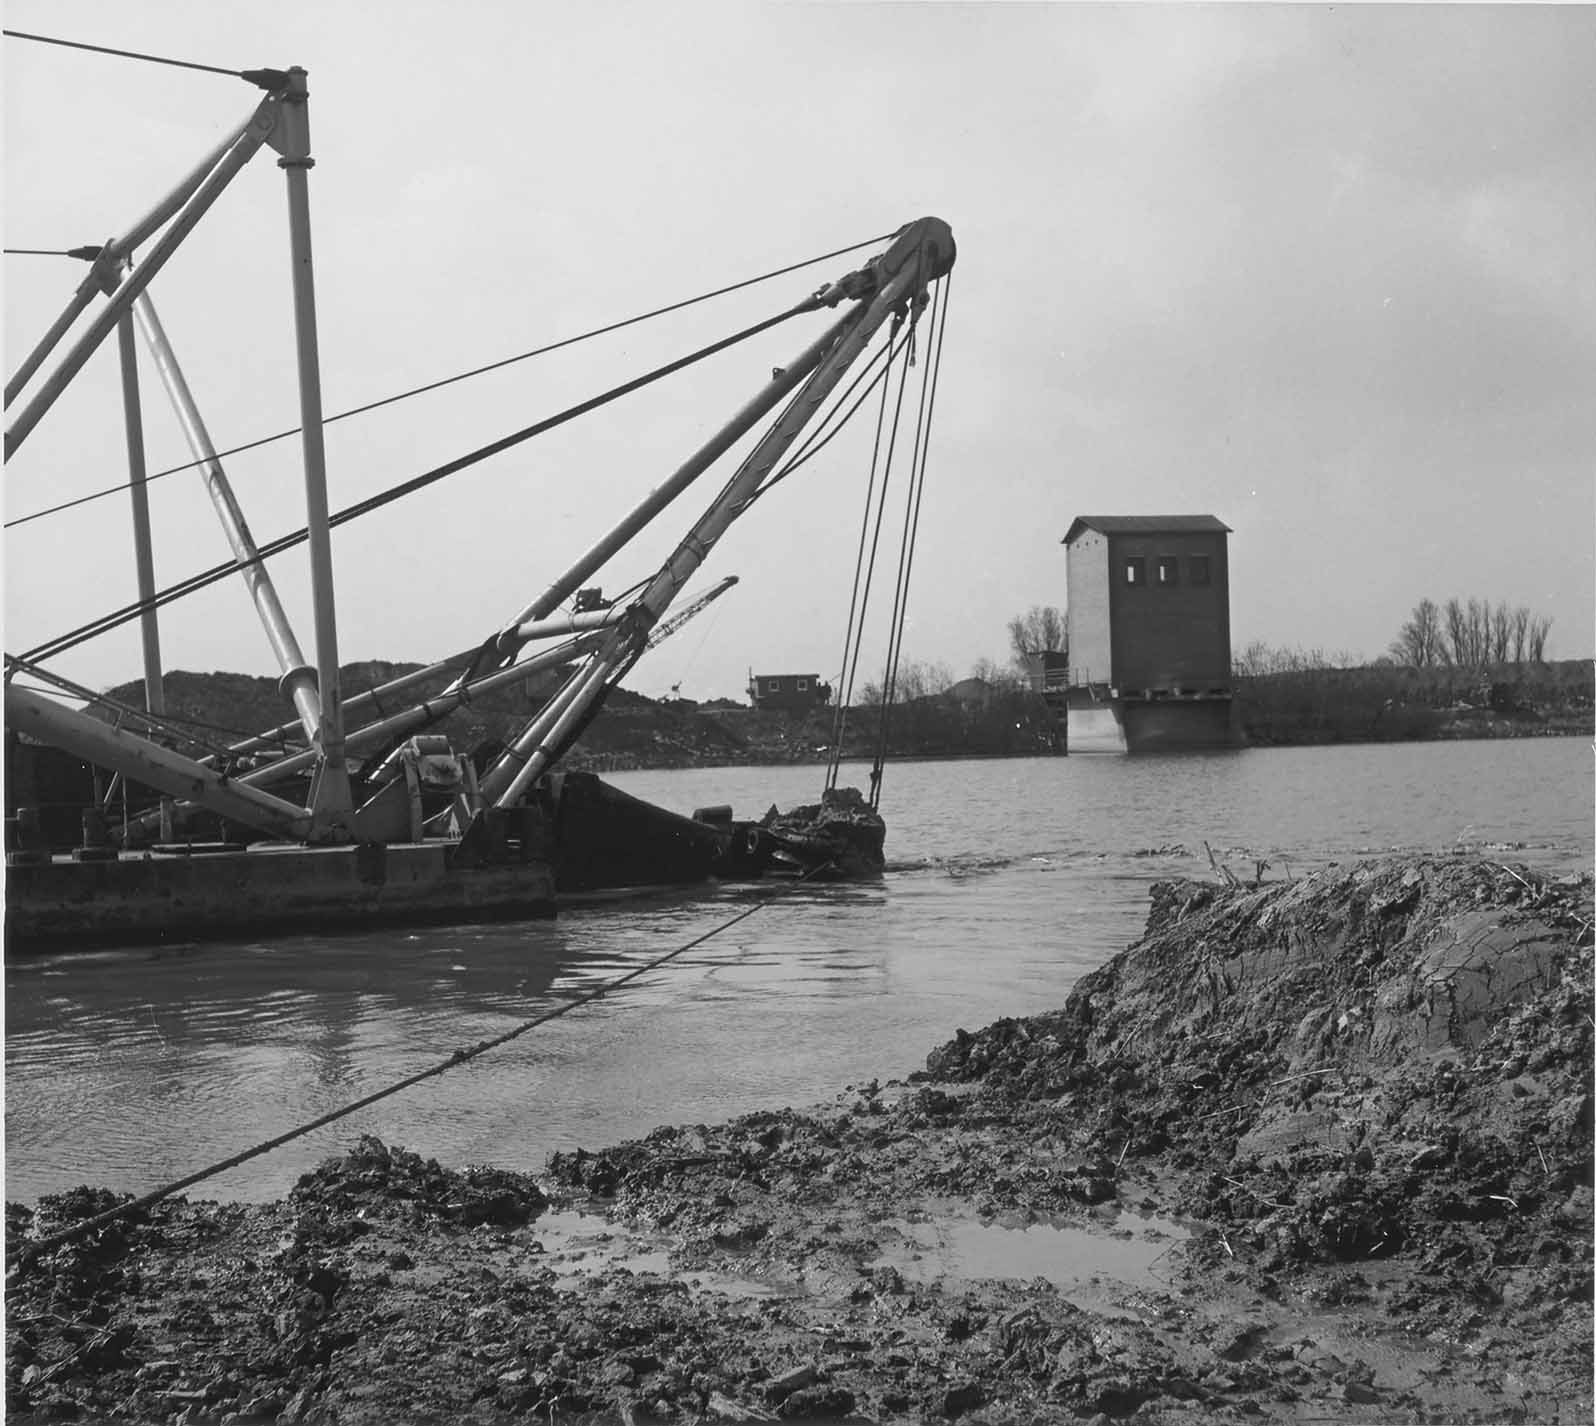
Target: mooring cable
[447, 380]
[29, 1251]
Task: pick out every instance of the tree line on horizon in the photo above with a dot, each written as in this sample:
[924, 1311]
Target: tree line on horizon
[1461, 633]
[1470, 635]
[1465, 634]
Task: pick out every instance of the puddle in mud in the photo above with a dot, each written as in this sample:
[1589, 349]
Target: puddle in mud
[1129, 1248]
[580, 1245]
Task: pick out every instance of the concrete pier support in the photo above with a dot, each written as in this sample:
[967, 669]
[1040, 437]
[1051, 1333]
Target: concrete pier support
[1131, 725]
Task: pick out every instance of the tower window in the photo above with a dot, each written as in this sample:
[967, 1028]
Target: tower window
[1135, 570]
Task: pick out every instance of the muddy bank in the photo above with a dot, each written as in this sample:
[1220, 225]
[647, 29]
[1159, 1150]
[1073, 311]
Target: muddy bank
[1307, 1151]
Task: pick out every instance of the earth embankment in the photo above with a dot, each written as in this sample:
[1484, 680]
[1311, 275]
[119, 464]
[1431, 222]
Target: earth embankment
[1386, 703]
[1331, 1136]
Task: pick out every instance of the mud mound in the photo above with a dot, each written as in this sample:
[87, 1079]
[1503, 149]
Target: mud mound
[375, 1179]
[783, 1152]
[82, 1288]
[1349, 1064]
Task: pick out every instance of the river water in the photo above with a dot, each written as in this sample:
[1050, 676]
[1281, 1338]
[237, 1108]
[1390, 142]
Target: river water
[1006, 881]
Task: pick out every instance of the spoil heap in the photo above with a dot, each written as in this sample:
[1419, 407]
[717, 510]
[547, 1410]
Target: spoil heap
[1384, 1069]
[1394, 1056]
[1371, 1088]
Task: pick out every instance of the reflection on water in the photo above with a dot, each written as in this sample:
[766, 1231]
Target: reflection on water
[1130, 1249]
[1006, 881]
[578, 1246]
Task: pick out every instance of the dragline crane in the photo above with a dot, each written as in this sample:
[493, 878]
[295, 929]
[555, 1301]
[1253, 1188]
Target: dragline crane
[599, 642]
[322, 821]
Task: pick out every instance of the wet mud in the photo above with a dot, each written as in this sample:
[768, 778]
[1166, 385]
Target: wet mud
[1307, 1151]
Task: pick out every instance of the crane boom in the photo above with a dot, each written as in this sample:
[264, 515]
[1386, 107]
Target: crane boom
[894, 285]
[667, 627]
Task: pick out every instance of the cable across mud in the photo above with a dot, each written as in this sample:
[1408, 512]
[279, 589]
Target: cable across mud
[462, 1056]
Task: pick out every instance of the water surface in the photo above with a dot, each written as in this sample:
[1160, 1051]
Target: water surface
[1007, 880]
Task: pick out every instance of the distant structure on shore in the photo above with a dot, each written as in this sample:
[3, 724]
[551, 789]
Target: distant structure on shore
[1048, 671]
[1149, 633]
[787, 692]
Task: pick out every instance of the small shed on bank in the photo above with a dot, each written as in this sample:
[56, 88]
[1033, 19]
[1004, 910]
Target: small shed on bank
[787, 692]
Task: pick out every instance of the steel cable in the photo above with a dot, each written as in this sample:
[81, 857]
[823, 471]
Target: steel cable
[174, 725]
[445, 381]
[906, 548]
[845, 676]
[199, 581]
[29, 1251]
[899, 615]
[875, 541]
[123, 54]
[820, 438]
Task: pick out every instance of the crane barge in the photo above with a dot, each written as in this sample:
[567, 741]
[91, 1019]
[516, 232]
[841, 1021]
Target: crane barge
[385, 821]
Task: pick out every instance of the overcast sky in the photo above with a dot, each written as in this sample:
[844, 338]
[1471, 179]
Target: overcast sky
[1328, 273]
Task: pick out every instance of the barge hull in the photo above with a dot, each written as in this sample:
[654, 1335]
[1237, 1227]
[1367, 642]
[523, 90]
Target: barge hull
[140, 898]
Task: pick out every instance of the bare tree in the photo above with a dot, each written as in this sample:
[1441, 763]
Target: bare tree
[1259, 660]
[1456, 643]
[1539, 626]
[1477, 633]
[914, 680]
[1521, 621]
[1501, 632]
[1468, 632]
[991, 672]
[1420, 640]
[1040, 631]
[921, 680]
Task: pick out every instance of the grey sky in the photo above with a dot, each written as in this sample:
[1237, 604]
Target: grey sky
[1326, 273]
